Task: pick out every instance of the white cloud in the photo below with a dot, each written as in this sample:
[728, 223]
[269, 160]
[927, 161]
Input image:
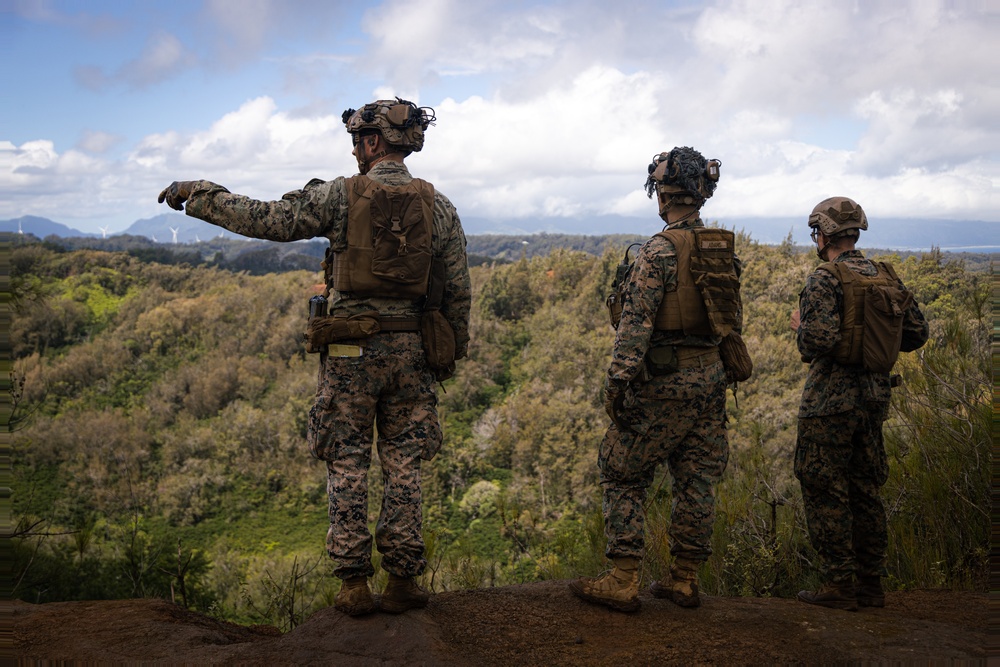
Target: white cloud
[95, 141]
[920, 130]
[455, 37]
[574, 99]
[37, 180]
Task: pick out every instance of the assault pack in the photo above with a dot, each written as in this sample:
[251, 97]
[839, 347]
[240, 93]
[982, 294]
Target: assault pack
[389, 254]
[871, 322]
[707, 299]
[389, 231]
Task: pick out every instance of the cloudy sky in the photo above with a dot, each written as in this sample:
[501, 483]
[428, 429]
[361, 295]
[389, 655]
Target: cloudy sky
[545, 108]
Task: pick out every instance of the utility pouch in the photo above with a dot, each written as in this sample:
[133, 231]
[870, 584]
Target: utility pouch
[439, 343]
[325, 330]
[735, 358]
[436, 333]
[662, 360]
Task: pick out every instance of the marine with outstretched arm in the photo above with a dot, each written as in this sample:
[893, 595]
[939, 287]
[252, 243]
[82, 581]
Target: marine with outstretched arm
[397, 318]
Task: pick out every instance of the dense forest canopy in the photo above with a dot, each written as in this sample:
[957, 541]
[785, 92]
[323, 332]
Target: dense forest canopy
[160, 403]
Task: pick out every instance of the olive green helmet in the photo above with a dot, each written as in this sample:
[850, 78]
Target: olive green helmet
[400, 121]
[683, 172]
[836, 215]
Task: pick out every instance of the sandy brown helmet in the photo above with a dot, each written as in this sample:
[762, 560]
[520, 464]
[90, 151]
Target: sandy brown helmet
[400, 121]
[836, 215]
[682, 176]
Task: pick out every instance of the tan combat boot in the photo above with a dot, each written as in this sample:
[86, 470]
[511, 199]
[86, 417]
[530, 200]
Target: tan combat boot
[618, 588]
[869, 592]
[681, 587]
[832, 596]
[402, 593]
[354, 597]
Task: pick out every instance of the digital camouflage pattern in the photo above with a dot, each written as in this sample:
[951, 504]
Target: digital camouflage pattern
[832, 388]
[840, 458]
[653, 273]
[320, 210]
[397, 394]
[679, 418]
[388, 387]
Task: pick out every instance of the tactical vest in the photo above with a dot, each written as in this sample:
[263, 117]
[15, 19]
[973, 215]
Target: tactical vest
[389, 231]
[707, 299]
[871, 319]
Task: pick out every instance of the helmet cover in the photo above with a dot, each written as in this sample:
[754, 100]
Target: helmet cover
[683, 171]
[836, 215]
[400, 121]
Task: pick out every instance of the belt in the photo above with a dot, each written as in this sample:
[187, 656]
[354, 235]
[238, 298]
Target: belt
[697, 357]
[396, 324]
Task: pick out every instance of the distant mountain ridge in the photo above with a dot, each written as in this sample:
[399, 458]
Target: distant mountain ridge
[894, 233]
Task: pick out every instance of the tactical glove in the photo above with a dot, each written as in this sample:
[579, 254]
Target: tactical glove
[176, 194]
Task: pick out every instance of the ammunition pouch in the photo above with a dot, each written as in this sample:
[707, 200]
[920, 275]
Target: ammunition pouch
[322, 331]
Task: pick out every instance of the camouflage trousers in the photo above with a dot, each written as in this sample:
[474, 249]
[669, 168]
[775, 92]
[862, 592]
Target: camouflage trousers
[841, 464]
[680, 419]
[387, 388]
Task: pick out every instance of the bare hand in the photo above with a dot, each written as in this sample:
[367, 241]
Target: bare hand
[795, 320]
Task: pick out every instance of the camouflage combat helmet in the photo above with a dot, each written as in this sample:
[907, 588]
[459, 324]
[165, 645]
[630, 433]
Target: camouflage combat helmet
[400, 121]
[683, 174]
[836, 215]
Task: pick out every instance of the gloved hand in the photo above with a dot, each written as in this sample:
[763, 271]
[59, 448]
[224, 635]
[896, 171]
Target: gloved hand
[176, 194]
[614, 401]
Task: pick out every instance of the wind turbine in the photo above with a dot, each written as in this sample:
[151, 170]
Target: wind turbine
[104, 231]
[175, 230]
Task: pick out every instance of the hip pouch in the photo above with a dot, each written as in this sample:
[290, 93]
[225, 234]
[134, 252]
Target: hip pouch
[322, 331]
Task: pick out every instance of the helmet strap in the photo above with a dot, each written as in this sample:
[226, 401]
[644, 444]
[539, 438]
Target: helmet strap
[366, 162]
[685, 200]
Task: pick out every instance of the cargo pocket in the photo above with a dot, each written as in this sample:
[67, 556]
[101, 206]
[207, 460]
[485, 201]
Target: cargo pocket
[318, 433]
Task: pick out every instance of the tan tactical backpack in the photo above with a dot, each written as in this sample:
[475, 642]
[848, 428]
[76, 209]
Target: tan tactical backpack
[871, 322]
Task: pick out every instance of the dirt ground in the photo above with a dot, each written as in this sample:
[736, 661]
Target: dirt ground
[531, 624]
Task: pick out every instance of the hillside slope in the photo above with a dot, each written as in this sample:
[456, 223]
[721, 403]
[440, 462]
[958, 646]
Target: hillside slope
[528, 624]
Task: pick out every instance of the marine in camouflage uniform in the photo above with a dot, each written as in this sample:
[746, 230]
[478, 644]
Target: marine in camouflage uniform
[840, 458]
[678, 417]
[382, 382]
